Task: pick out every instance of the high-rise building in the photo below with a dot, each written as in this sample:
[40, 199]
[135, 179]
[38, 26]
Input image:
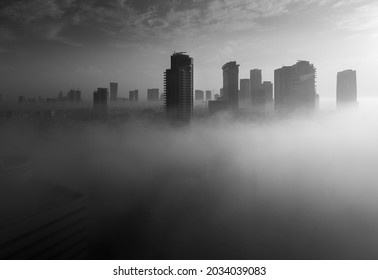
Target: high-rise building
[153, 94]
[244, 93]
[294, 87]
[100, 100]
[74, 95]
[255, 86]
[199, 95]
[208, 95]
[229, 93]
[346, 92]
[179, 88]
[134, 95]
[78, 95]
[113, 92]
[268, 89]
[231, 83]
[71, 95]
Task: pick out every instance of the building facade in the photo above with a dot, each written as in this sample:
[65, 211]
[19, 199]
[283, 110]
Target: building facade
[208, 95]
[199, 95]
[231, 84]
[294, 87]
[346, 91]
[134, 95]
[178, 90]
[100, 100]
[245, 91]
[113, 92]
[153, 94]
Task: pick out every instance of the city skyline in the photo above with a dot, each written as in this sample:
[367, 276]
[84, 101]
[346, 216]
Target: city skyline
[188, 129]
[50, 46]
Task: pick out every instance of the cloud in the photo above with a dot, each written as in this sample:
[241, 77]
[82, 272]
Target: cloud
[28, 11]
[53, 33]
[174, 21]
[221, 188]
[362, 18]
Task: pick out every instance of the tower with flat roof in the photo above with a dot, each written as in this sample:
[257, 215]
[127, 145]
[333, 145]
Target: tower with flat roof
[231, 83]
[113, 92]
[294, 87]
[346, 92]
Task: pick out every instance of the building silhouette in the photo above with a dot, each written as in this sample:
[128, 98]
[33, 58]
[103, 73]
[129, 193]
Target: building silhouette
[199, 95]
[208, 95]
[229, 93]
[178, 90]
[71, 96]
[134, 95]
[346, 92]
[268, 89]
[78, 95]
[113, 92]
[100, 101]
[294, 87]
[231, 83]
[256, 86]
[153, 94]
[245, 92]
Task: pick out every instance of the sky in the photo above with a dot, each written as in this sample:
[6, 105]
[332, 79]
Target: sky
[50, 45]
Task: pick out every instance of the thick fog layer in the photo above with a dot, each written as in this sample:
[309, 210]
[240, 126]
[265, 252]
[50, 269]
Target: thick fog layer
[299, 187]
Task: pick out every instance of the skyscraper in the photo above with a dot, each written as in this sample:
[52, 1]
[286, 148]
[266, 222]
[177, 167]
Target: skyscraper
[113, 92]
[255, 85]
[346, 92]
[78, 95]
[153, 94]
[268, 89]
[133, 95]
[294, 87]
[244, 94]
[179, 88]
[100, 100]
[71, 95]
[74, 95]
[231, 83]
[199, 95]
[208, 95]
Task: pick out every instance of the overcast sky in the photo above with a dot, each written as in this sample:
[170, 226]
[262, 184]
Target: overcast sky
[51, 45]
